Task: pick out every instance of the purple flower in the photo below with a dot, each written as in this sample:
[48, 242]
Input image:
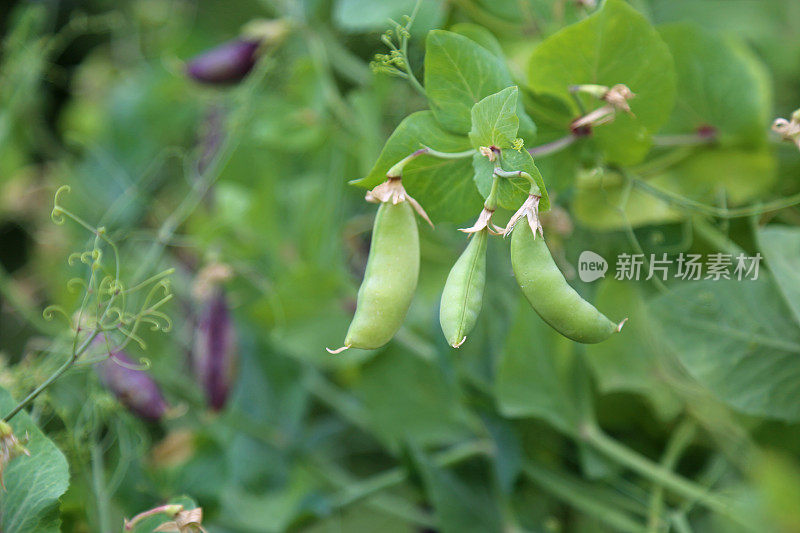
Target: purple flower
[215, 354]
[135, 389]
[227, 63]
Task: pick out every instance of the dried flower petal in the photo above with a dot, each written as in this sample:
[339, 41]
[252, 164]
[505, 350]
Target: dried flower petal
[392, 189]
[529, 210]
[618, 97]
[484, 221]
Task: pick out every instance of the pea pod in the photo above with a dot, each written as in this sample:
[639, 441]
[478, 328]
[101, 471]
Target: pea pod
[549, 293]
[391, 275]
[463, 291]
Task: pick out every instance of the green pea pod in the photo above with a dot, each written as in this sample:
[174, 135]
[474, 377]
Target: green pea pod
[463, 291]
[549, 293]
[390, 278]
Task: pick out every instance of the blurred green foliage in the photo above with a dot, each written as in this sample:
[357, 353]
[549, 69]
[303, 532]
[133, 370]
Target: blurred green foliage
[699, 391]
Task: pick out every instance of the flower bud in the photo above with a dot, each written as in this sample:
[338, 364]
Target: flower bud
[135, 389]
[215, 354]
[227, 63]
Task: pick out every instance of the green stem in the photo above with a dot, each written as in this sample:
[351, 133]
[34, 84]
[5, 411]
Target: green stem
[553, 146]
[389, 504]
[714, 211]
[98, 488]
[397, 169]
[711, 234]
[499, 172]
[573, 492]
[49, 381]
[491, 200]
[658, 474]
[395, 476]
[680, 439]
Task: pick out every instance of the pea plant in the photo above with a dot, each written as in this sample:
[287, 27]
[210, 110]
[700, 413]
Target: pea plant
[559, 237]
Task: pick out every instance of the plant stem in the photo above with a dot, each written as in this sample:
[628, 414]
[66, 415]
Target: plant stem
[711, 234]
[569, 490]
[658, 474]
[49, 381]
[395, 476]
[688, 139]
[553, 146]
[680, 439]
[714, 211]
[98, 487]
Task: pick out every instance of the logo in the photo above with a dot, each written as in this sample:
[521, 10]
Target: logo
[591, 266]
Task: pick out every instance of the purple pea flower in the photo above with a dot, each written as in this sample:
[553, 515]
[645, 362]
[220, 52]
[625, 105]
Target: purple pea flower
[135, 389]
[227, 63]
[215, 355]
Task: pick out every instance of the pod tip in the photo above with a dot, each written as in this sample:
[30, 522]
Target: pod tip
[459, 343]
[619, 326]
[338, 350]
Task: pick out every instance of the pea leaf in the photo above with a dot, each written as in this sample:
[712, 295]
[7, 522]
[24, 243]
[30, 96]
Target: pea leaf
[719, 83]
[636, 361]
[459, 73]
[442, 186]
[370, 15]
[494, 119]
[614, 45]
[462, 502]
[33, 484]
[781, 247]
[409, 400]
[539, 376]
[480, 35]
[734, 339]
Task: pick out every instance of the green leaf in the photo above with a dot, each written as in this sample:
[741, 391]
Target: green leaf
[614, 45]
[480, 35]
[510, 192]
[371, 15]
[443, 186]
[409, 400]
[734, 339]
[462, 503]
[459, 73]
[636, 361]
[539, 375]
[494, 120]
[781, 247]
[33, 484]
[719, 83]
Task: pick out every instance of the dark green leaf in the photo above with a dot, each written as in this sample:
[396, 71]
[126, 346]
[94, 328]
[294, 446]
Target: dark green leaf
[443, 186]
[614, 45]
[461, 505]
[539, 376]
[458, 74]
[781, 247]
[719, 83]
[735, 339]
